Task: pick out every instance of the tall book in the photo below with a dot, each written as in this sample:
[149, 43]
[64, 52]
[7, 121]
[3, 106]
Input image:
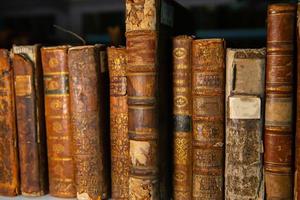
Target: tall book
[30, 120]
[57, 114]
[182, 111]
[149, 28]
[297, 145]
[208, 86]
[9, 166]
[245, 82]
[279, 101]
[84, 69]
[119, 123]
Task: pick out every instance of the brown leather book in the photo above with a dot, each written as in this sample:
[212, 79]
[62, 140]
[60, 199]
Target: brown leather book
[84, 69]
[57, 114]
[279, 101]
[208, 86]
[245, 86]
[182, 111]
[9, 166]
[119, 123]
[30, 120]
[297, 156]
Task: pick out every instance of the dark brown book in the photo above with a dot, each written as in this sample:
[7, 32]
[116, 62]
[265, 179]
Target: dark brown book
[84, 69]
[208, 86]
[182, 111]
[297, 145]
[9, 166]
[30, 120]
[57, 114]
[119, 123]
[278, 141]
[245, 86]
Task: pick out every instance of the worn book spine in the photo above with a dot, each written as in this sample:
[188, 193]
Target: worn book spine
[142, 115]
[85, 121]
[182, 111]
[279, 101]
[57, 114]
[30, 120]
[297, 143]
[9, 166]
[245, 82]
[208, 76]
[119, 123]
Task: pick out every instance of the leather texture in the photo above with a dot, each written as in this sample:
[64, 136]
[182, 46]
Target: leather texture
[208, 86]
[117, 60]
[57, 113]
[85, 122]
[279, 101]
[9, 164]
[182, 114]
[245, 84]
[297, 145]
[30, 120]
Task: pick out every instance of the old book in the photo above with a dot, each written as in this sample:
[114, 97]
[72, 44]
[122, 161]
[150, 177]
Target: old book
[9, 166]
[30, 120]
[57, 114]
[208, 86]
[84, 69]
[182, 111]
[297, 143]
[278, 140]
[119, 123]
[245, 82]
[149, 28]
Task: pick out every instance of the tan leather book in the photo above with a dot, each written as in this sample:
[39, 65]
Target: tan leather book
[84, 69]
[182, 114]
[245, 86]
[119, 123]
[279, 105]
[57, 114]
[9, 164]
[28, 78]
[297, 145]
[208, 86]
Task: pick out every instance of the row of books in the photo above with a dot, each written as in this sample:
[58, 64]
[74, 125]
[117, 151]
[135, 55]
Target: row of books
[99, 123]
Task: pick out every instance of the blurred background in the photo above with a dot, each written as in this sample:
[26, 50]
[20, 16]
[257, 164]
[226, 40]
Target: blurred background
[241, 22]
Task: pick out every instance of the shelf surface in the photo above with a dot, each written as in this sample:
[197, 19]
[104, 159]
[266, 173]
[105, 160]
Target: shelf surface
[46, 197]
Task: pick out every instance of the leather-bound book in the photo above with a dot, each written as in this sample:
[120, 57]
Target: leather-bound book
[30, 120]
[9, 166]
[182, 111]
[208, 88]
[57, 114]
[297, 153]
[84, 69]
[278, 140]
[119, 123]
[245, 83]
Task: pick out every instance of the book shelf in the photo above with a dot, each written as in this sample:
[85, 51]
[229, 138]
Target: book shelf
[46, 197]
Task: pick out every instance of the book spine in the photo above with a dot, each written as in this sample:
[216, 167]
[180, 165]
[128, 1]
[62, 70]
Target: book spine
[142, 115]
[9, 166]
[57, 114]
[208, 71]
[297, 143]
[182, 111]
[245, 75]
[119, 123]
[279, 101]
[27, 126]
[31, 100]
[85, 121]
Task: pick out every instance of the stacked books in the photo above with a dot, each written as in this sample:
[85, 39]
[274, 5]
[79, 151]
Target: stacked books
[163, 118]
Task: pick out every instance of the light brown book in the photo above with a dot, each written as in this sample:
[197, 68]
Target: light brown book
[57, 114]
